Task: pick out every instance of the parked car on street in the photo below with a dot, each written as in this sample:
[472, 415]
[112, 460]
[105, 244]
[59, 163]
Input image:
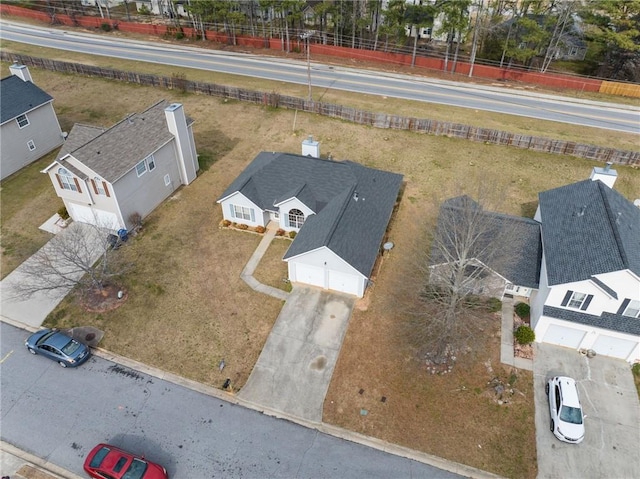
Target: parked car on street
[106, 461]
[53, 344]
[567, 419]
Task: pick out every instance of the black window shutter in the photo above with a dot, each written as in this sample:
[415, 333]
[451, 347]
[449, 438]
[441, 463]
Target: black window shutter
[585, 305]
[566, 299]
[623, 306]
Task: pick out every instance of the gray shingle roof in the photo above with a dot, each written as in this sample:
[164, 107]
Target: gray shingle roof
[588, 229]
[18, 97]
[523, 254]
[118, 149]
[352, 229]
[613, 322]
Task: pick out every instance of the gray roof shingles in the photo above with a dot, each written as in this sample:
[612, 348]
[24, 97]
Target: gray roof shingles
[18, 97]
[588, 229]
[351, 229]
[613, 322]
[115, 151]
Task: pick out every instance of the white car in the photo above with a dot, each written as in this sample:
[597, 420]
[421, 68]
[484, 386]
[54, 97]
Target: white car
[567, 420]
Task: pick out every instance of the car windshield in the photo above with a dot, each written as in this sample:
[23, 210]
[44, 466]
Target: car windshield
[45, 337]
[571, 415]
[99, 457]
[71, 347]
[136, 470]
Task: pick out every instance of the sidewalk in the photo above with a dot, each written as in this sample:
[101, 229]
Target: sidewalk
[506, 341]
[18, 464]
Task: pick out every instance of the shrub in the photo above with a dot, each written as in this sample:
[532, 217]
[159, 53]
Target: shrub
[494, 305]
[260, 229]
[105, 27]
[64, 214]
[635, 369]
[242, 226]
[135, 219]
[523, 310]
[292, 234]
[226, 223]
[280, 232]
[524, 335]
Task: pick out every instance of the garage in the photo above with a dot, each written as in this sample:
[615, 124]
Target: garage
[310, 275]
[86, 214]
[345, 282]
[614, 347]
[564, 336]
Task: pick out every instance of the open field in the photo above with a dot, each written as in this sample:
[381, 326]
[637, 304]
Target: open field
[187, 307]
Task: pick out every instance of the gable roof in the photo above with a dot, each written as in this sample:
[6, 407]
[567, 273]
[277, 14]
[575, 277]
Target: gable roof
[112, 152]
[352, 228]
[521, 265]
[18, 97]
[588, 229]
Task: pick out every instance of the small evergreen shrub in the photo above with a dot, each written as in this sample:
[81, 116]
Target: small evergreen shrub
[494, 305]
[524, 335]
[64, 214]
[292, 234]
[105, 27]
[523, 310]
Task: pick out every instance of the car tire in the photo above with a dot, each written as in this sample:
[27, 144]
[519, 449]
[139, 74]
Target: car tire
[32, 351]
[552, 426]
[62, 363]
[546, 389]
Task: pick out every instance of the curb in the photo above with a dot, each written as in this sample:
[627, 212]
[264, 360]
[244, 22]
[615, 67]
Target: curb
[46, 469]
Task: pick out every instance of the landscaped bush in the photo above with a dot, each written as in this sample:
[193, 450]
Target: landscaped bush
[635, 369]
[292, 234]
[226, 223]
[62, 211]
[523, 310]
[494, 305]
[260, 229]
[280, 232]
[242, 226]
[524, 334]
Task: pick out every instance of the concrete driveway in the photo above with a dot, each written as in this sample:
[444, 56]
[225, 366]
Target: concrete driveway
[293, 371]
[612, 428]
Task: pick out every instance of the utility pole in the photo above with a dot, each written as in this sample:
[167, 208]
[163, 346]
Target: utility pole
[475, 37]
[306, 36]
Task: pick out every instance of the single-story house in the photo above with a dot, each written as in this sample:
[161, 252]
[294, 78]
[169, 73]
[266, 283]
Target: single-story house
[116, 176]
[339, 209]
[503, 254]
[29, 126]
[589, 292]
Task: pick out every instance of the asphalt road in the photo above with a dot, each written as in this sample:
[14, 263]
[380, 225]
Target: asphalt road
[544, 107]
[60, 414]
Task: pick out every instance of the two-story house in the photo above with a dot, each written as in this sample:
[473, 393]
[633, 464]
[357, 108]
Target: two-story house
[29, 126]
[116, 176]
[589, 292]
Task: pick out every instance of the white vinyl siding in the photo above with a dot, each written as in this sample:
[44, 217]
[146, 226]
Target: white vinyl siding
[31, 145]
[243, 213]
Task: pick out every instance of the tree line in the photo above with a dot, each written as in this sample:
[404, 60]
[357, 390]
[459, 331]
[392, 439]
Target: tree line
[591, 37]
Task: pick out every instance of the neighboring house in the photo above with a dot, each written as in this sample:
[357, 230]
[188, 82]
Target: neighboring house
[589, 293]
[339, 209]
[29, 127]
[511, 268]
[108, 177]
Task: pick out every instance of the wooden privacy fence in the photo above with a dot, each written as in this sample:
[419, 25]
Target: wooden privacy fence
[363, 117]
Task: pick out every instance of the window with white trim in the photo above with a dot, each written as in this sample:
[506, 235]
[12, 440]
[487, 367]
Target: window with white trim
[99, 186]
[151, 162]
[576, 300]
[633, 309]
[167, 180]
[296, 218]
[67, 181]
[31, 145]
[22, 121]
[242, 212]
[141, 168]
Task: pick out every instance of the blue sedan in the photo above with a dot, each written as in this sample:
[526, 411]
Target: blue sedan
[58, 346]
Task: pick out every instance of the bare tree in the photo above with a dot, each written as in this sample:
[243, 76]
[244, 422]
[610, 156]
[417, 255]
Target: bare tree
[458, 264]
[81, 256]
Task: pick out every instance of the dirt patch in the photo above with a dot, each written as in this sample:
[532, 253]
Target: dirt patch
[102, 300]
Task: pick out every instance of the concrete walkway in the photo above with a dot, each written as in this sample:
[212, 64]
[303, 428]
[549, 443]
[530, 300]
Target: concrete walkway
[506, 342]
[33, 311]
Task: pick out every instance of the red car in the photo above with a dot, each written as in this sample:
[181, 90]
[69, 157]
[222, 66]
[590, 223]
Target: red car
[109, 462]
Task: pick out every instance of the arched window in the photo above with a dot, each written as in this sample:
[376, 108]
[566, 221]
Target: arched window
[296, 219]
[67, 181]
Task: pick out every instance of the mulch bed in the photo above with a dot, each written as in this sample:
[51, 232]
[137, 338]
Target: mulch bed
[100, 301]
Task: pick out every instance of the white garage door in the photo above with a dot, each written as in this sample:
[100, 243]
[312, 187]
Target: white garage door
[310, 275]
[85, 214]
[615, 347]
[563, 336]
[343, 282]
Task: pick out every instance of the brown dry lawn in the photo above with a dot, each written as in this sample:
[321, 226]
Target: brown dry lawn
[187, 307]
